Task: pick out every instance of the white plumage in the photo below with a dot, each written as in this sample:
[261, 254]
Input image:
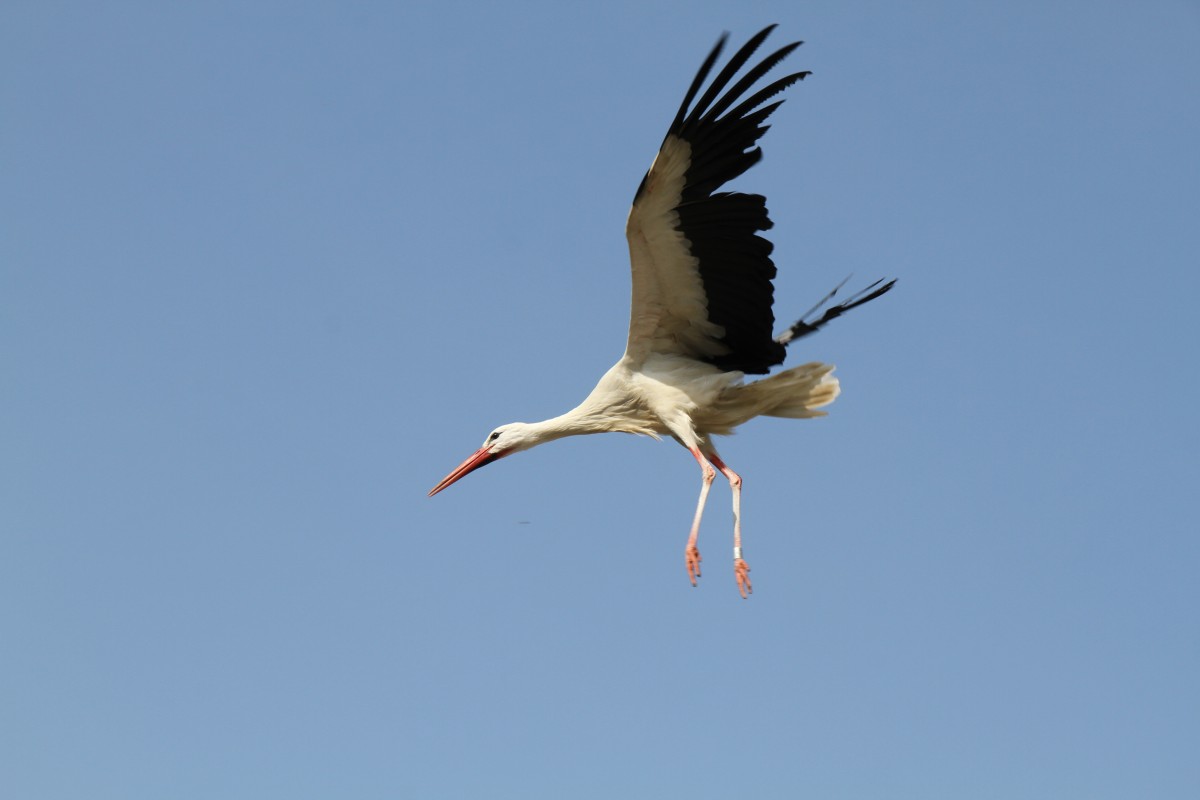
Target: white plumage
[701, 312]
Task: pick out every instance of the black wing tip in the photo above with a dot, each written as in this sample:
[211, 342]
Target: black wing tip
[689, 113]
[803, 327]
[762, 35]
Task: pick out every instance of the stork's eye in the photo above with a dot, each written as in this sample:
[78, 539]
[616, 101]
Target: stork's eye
[495, 435]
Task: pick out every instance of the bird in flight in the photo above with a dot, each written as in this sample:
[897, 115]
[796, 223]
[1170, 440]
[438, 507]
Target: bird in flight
[701, 317]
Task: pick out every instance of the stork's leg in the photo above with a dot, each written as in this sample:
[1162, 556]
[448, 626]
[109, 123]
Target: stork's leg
[741, 569]
[691, 553]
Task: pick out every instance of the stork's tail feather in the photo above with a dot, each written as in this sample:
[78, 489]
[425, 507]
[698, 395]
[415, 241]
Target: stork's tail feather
[796, 393]
[803, 327]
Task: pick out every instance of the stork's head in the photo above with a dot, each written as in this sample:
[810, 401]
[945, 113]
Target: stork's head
[505, 440]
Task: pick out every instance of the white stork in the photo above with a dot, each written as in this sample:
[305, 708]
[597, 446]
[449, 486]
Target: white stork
[701, 314]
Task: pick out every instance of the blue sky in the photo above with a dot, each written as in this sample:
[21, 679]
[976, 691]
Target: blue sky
[269, 270]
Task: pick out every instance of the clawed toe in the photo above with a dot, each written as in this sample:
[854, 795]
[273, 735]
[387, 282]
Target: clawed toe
[741, 572]
[692, 556]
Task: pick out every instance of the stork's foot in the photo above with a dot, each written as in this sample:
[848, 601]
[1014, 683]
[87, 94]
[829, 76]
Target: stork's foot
[692, 555]
[741, 572]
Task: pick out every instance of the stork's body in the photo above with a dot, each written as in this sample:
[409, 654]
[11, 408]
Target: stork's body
[701, 316]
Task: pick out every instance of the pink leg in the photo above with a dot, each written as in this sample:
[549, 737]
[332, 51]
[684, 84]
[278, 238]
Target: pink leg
[691, 553]
[740, 568]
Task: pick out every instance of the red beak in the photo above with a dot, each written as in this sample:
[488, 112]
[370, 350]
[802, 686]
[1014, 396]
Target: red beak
[478, 459]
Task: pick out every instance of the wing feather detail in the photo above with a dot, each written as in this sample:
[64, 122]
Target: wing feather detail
[701, 272]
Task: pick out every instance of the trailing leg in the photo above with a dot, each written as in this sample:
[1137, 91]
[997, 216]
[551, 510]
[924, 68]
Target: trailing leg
[741, 569]
[691, 553]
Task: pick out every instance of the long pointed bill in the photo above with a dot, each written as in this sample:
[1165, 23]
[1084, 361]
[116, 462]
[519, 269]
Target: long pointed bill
[478, 459]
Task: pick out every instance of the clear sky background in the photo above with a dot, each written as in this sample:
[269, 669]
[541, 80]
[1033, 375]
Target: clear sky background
[269, 270]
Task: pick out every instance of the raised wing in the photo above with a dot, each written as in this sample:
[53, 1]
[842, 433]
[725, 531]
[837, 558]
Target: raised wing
[701, 273]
